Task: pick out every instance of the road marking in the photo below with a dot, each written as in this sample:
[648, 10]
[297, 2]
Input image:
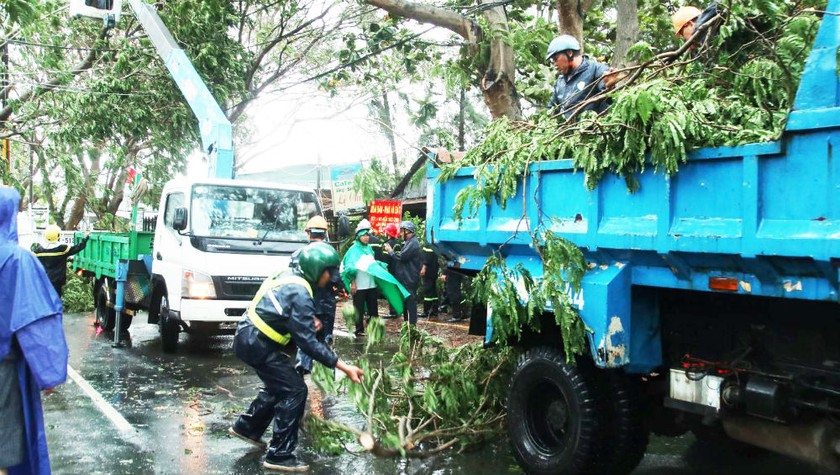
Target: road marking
[122, 425]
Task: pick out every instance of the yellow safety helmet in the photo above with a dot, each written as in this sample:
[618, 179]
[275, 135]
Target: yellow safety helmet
[316, 222]
[683, 16]
[52, 233]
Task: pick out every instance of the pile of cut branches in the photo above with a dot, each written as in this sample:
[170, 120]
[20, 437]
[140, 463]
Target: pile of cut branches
[735, 88]
[427, 398]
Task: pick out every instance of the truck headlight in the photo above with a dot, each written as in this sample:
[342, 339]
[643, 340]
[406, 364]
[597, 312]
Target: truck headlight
[196, 285]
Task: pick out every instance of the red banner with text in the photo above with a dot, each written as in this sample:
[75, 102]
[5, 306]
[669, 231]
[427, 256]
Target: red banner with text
[383, 212]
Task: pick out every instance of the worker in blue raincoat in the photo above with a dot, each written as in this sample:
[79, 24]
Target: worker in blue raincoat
[33, 352]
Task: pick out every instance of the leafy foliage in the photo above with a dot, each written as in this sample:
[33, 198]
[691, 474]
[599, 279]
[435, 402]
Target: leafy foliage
[428, 397]
[737, 91]
[373, 181]
[518, 298]
[17, 12]
[77, 293]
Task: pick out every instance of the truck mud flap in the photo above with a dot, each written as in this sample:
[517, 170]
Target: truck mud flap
[623, 333]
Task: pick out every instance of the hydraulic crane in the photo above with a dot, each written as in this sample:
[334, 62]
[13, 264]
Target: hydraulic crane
[215, 128]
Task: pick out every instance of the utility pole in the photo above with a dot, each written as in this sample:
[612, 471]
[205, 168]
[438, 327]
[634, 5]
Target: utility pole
[318, 176]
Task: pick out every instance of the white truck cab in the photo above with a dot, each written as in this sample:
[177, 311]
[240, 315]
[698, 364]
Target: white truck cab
[216, 240]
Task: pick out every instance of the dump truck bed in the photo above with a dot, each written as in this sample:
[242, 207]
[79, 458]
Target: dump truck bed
[105, 250]
[757, 219]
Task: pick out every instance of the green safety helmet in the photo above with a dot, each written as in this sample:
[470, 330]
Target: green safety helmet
[315, 258]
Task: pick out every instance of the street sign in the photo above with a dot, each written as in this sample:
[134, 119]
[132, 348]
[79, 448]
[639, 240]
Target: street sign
[343, 194]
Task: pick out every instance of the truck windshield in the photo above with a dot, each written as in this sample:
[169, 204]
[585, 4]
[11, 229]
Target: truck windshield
[251, 213]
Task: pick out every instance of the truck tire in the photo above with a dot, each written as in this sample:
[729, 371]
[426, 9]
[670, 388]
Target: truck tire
[553, 420]
[106, 316]
[169, 328]
[626, 440]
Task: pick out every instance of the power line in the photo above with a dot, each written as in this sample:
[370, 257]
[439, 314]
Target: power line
[85, 91]
[57, 46]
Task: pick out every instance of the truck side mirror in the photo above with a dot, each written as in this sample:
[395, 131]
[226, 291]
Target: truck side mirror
[179, 221]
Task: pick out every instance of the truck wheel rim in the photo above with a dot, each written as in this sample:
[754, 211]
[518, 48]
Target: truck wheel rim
[547, 418]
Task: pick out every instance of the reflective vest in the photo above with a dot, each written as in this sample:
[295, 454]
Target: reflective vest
[53, 254]
[265, 289]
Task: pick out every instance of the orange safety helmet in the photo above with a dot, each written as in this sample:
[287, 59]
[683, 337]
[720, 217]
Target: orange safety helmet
[316, 223]
[683, 16]
[392, 230]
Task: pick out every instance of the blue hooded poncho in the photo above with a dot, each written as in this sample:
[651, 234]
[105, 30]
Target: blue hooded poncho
[30, 312]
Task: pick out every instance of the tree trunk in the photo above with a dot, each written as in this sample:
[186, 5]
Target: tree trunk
[627, 31]
[497, 84]
[415, 167]
[381, 110]
[77, 212]
[570, 14]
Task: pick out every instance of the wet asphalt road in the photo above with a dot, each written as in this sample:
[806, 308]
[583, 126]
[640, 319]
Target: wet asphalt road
[180, 406]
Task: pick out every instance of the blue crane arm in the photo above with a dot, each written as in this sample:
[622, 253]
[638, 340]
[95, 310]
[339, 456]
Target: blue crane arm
[215, 128]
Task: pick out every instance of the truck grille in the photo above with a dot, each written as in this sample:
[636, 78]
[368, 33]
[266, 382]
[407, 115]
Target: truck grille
[237, 287]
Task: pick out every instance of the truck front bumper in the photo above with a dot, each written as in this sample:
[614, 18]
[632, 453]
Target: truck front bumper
[194, 310]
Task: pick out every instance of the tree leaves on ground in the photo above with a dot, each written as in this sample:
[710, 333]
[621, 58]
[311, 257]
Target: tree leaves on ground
[427, 397]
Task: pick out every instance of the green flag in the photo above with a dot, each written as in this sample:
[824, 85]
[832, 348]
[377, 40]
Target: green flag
[360, 258]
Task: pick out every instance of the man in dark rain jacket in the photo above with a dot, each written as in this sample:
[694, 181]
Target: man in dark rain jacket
[429, 273]
[580, 77]
[407, 264]
[317, 229]
[53, 256]
[280, 318]
[33, 352]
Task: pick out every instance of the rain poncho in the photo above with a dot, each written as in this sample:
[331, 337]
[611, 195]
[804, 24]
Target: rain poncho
[360, 258]
[30, 312]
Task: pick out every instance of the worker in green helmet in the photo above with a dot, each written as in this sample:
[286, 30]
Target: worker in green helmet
[280, 320]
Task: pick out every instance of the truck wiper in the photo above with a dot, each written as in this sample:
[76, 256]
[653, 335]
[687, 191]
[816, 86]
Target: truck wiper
[273, 227]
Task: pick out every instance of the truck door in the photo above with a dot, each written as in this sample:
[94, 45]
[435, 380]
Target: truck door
[169, 248]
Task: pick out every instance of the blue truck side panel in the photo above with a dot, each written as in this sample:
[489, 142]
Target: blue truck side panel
[766, 215]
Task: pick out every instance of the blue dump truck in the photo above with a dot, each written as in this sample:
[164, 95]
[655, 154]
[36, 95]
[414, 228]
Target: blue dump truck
[711, 302]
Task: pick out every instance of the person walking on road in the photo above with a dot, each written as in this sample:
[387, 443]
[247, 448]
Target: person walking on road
[281, 317]
[33, 351]
[53, 256]
[407, 264]
[454, 300]
[365, 277]
[429, 273]
[362, 286]
[316, 230]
